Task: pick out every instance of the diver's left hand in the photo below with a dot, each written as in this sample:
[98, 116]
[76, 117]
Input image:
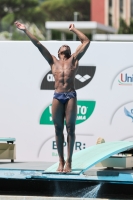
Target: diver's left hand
[71, 27]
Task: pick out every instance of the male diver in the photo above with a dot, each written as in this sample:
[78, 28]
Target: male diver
[64, 104]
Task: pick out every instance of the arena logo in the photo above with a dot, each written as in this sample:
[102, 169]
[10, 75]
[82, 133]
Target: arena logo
[84, 76]
[129, 113]
[124, 77]
[84, 111]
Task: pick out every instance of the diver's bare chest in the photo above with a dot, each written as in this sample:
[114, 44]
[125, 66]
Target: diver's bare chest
[63, 67]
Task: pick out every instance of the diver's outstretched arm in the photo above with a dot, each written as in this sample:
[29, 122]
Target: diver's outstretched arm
[46, 54]
[84, 42]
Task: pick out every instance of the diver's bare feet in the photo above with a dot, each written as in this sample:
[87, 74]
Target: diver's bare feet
[61, 166]
[67, 167]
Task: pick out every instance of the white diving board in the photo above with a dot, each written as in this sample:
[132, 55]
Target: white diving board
[86, 158]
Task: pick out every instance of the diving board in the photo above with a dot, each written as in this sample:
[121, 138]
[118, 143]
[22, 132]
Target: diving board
[86, 158]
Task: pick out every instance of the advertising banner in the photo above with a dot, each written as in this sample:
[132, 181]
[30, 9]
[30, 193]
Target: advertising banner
[104, 85]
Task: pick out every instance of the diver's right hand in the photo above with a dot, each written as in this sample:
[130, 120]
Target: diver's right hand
[20, 26]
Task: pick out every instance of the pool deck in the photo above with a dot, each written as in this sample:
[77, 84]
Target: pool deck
[28, 180]
[36, 170]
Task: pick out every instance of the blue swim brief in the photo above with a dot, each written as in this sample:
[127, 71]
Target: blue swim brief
[63, 97]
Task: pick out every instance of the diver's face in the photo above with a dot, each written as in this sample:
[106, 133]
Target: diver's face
[65, 49]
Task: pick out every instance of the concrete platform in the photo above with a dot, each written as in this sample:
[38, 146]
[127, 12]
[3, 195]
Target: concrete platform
[27, 179]
[36, 170]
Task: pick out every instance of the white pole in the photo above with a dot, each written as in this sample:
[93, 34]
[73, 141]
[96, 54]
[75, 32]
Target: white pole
[75, 19]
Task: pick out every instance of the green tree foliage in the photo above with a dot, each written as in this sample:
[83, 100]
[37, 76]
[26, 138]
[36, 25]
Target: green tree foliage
[131, 27]
[38, 11]
[63, 10]
[26, 10]
[124, 28]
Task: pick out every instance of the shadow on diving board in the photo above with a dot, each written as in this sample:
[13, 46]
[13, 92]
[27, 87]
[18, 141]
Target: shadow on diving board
[86, 158]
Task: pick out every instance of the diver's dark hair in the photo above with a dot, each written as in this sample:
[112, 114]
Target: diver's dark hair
[64, 46]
